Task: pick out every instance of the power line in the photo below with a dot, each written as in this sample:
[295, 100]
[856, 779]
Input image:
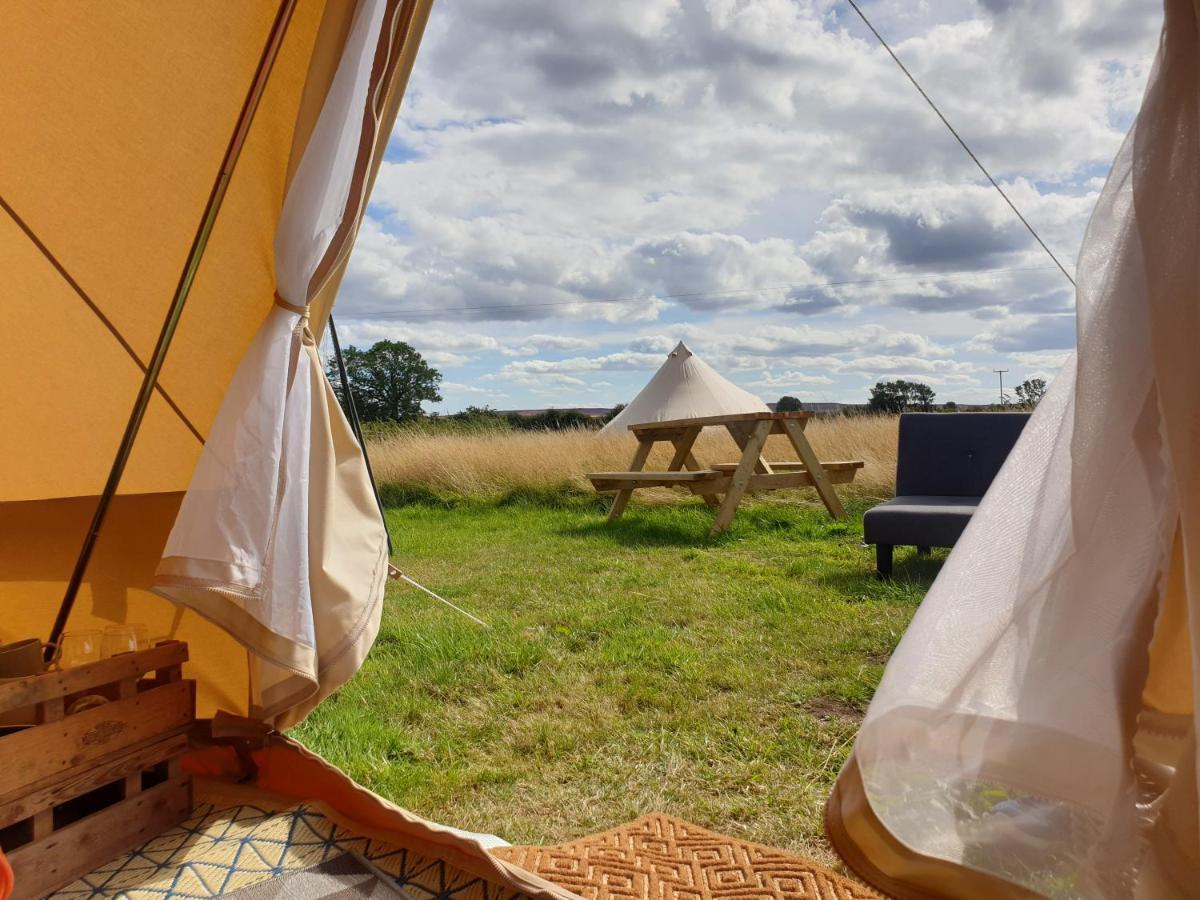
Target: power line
[1000, 372]
[928, 276]
[961, 142]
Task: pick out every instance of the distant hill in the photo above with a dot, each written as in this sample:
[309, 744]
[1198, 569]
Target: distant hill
[819, 407]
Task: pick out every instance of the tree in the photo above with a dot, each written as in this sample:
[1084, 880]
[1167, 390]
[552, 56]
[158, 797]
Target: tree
[950, 406]
[789, 404]
[390, 381]
[900, 396]
[613, 413]
[1031, 391]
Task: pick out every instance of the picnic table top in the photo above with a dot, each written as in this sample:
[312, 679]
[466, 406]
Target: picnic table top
[719, 420]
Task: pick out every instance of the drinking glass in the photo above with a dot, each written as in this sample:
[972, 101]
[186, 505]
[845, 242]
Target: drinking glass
[76, 648]
[119, 639]
[143, 635]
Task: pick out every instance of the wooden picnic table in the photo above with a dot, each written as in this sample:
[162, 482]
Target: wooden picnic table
[750, 473]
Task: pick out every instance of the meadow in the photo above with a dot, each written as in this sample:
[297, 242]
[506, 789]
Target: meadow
[625, 668]
[416, 462]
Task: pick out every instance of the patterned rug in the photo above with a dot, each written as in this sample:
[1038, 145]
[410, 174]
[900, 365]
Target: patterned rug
[225, 848]
[658, 857]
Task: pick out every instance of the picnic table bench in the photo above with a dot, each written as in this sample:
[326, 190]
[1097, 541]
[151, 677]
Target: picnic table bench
[724, 484]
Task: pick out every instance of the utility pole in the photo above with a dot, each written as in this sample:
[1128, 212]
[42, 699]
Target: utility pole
[1003, 399]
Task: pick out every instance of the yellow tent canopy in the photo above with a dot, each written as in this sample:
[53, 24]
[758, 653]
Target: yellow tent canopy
[124, 115]
[243, 521]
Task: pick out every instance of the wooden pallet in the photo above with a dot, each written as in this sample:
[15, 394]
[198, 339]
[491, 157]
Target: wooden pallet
[80, 788]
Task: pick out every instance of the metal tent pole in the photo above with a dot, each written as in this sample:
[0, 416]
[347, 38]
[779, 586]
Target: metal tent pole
[356, 427]
[236, 141]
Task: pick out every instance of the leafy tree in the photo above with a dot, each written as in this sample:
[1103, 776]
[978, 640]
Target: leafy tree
[614, 412]
[950, 406]
[789, 404]
[390, 381]
[1031, 391]
[900, 396]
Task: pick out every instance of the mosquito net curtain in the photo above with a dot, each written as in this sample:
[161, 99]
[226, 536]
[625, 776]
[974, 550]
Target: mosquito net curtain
[1034, 733]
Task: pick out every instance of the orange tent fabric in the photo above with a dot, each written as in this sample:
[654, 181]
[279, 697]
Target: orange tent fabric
[125, 110]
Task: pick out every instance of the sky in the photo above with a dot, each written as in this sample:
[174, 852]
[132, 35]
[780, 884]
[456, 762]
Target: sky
[572, 188]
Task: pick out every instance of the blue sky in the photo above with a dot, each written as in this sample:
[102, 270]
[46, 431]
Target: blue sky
[572, 188]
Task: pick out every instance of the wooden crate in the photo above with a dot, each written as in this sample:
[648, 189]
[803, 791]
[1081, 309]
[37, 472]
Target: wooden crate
[80, 788]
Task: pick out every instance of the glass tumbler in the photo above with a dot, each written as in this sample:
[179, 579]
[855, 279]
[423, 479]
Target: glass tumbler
[76, 648]
[119, 639]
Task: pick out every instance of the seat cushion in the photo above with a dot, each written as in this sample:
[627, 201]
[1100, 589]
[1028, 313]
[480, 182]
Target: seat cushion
[919, 521]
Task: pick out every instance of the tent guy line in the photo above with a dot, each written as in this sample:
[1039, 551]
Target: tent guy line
[975, 159]
[396, 573]
[91, 304]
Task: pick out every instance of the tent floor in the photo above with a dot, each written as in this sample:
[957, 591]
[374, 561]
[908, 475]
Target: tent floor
[242, 841]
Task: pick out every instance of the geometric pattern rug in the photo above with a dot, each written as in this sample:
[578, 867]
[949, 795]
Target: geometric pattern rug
[659, 857]
[225, 848]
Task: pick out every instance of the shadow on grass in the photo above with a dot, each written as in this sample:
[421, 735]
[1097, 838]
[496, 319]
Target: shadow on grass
[634, 532]
[689, 524]
[685, 524]
[555, 496]
[911, 579]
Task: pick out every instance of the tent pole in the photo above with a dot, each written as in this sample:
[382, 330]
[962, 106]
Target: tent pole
[236, 141]
[356, 427]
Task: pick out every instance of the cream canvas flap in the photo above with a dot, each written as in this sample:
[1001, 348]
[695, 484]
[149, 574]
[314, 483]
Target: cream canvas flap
[1003, 738]
[278, 540]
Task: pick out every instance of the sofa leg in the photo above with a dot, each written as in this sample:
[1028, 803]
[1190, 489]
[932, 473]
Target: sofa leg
[883, 560]
[923, 551]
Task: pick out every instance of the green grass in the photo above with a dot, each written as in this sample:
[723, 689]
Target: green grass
[628, 668]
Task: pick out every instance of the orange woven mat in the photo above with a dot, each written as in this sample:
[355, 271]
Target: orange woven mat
[658, 857]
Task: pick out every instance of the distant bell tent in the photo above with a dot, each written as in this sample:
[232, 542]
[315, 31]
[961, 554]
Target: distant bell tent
[684, 387]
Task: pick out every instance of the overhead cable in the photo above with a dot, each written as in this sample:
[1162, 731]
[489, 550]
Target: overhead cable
[962, 143]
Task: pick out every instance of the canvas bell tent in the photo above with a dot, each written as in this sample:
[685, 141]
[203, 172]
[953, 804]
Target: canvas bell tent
[684, 387]
[1035, 732]
[180, 187]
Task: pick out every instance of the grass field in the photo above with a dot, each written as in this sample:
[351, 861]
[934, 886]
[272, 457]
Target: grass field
[628, 668]
[489, 464]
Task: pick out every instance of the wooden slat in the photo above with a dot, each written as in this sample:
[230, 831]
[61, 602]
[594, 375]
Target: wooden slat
[821, 479]
[37, 688]
[53, 862]
[47, 750]
[666, 477]
[740, 432]
[716, 480]
[623, 481]
[650, 427]
[88, 777]
[710, 496]
[683, 448]
[639, 460]
[740, 480]
[777, 481]
[778, 467]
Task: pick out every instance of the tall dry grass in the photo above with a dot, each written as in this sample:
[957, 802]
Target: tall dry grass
[488, 464]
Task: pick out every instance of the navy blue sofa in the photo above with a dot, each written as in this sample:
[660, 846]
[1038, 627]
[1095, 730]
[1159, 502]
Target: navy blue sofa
[944, 464]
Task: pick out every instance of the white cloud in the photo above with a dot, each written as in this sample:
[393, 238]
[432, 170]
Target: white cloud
[1028, 333]
[788, 379]
[598, 181]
